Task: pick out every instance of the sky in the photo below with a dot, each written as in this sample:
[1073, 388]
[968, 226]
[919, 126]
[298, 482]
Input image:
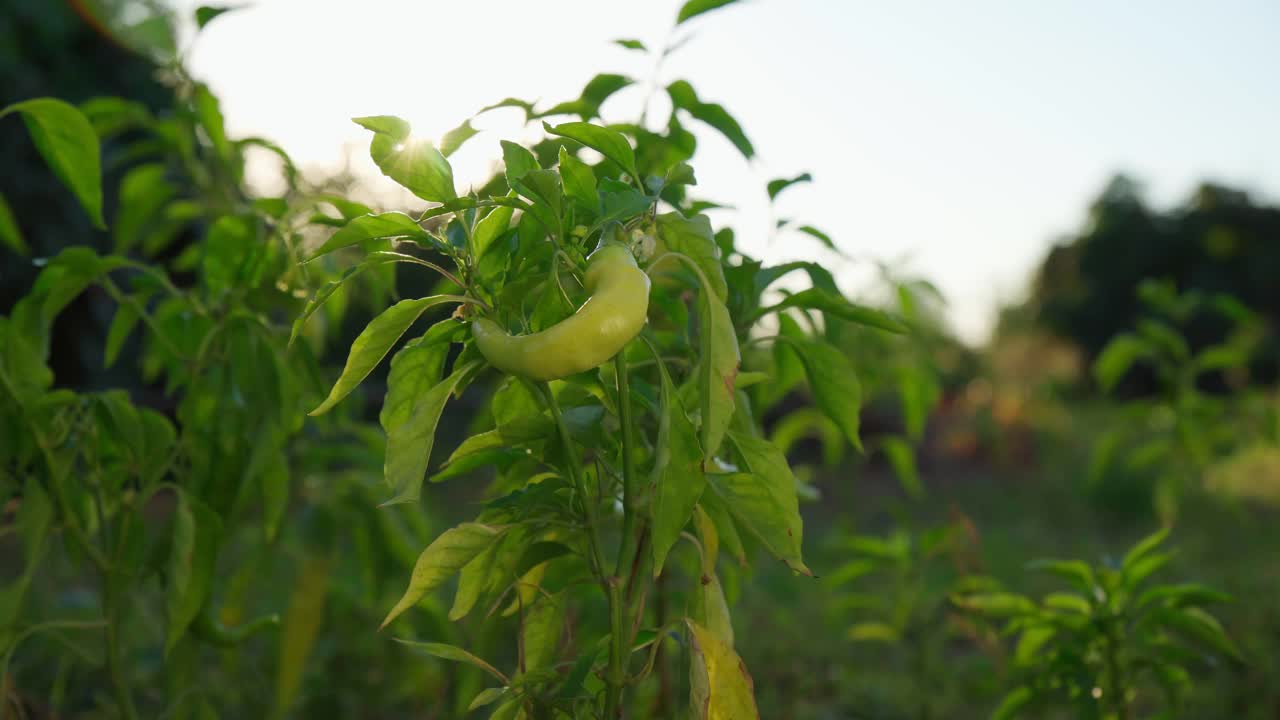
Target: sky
[956, 141]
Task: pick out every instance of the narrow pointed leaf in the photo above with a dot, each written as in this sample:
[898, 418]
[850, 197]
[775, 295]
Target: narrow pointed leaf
[443, 557]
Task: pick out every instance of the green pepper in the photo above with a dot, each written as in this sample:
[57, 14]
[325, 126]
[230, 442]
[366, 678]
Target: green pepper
[606, 322]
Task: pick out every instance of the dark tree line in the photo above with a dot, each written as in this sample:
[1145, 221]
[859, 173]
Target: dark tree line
[1219, 241]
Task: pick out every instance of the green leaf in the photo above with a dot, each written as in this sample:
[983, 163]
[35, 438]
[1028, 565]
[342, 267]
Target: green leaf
[193, 551]
[208, 112]
[543, 187]
[327, 290]
[836, 389]
[822, 237]
[274, 482]
[693, 237]
[518, 161]
[777, 186]
[1013, 703]
[1143, 548]
[601, 87]
[372, 227]
[1186, 595]
[874, 632]
[234, 251]
[579, 181]
[490, 228]
[301, 626]
[66, 140]
[1067, 602]
[610, 143]
[718, 511]
[206, 13]
[349, 209]
[764, 500]
[415, 369]
[122, 323]
[694, 8]
[1143, 568]
[540, 630]
[684, 97]
[35, 517]
[487, 696]
[835, 304]
[1076, 572]
[678, 477]
[1201, 627]
[996, 604]
[719, 686]
[902, 458]
[1117, 357]
[415, 164]
[443, 557]
[453, 139]
[10, 234]
[374, 342]
[630, 44]
[456, 654]
[711, 610]
[409, 443]
[718, 371]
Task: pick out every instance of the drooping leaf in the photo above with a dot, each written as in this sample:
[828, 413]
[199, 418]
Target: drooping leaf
[409, 444]
[820, 236]
[836, 390]
[443, 557]
[678, 478]
[541, 628]
[193, 550]
[902, 459]
[327, 290]
[1199, 626]
[684, 97]
[630, 44]
[301, 626]
[456, 654]
[693, 237]
[764, 499]
[719, 686]
[69, 145]
[374, 342]
[711, 610]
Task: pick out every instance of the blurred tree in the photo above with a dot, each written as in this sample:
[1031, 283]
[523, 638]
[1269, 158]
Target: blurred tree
[1218, 241]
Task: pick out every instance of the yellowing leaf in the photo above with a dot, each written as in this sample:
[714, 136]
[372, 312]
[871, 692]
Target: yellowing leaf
[719, 686]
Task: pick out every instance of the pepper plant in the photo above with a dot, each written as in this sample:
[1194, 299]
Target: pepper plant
[1115, 647]
[608, 317]
[1183, 429]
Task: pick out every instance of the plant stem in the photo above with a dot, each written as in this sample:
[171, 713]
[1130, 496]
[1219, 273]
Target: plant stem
[615, 677]
[115, 667]
[1117, 682]
[620, 610]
